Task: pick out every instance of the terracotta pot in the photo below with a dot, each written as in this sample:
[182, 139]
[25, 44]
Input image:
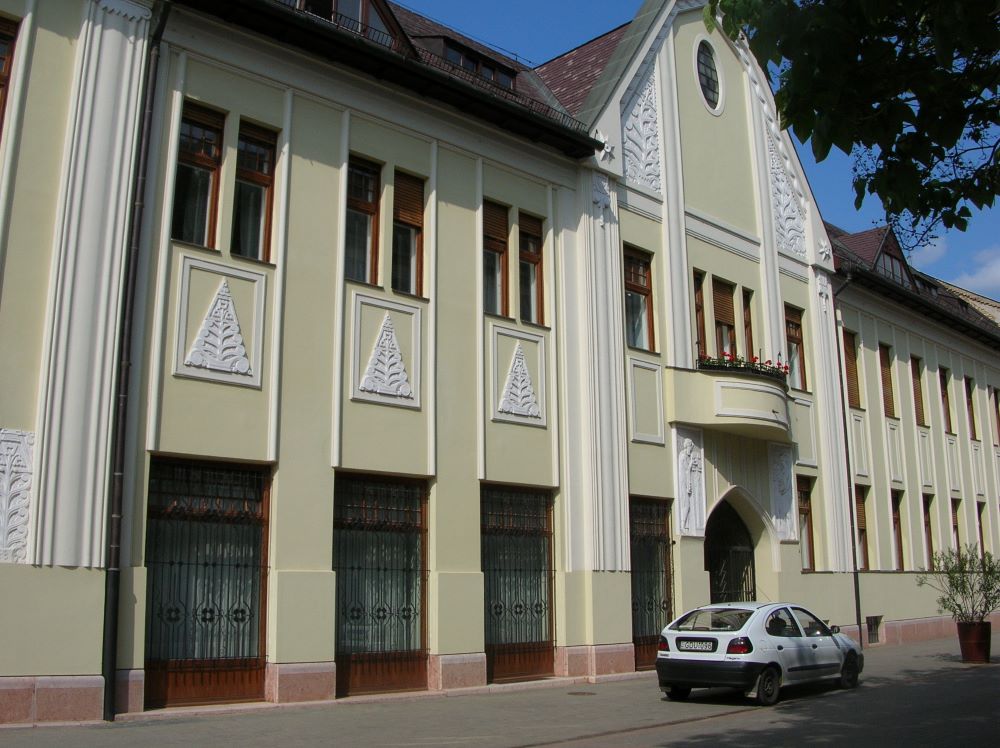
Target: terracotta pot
[974, 640]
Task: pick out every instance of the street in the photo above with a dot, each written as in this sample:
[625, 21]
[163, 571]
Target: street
[919, 694]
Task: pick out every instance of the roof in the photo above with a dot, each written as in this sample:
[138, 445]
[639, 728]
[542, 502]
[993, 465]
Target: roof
[865, 244]
[989, 307]
[572, 75]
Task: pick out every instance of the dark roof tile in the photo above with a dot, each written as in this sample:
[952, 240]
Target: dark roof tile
[571, 76]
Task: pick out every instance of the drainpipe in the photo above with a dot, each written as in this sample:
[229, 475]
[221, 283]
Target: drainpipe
[850, 480]
[112, 580]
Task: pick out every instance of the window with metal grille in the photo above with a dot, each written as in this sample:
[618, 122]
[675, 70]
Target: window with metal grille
[652, 577]
[916, 373]
[725, 317]
[495, 230]
[407, 234]
[708, 75]
[530, 276]
[699, 314]
[885, 369]
[851, 369]
[945, 399]
[196, 183]
[378, 554]
[860, 498]
[254, 194]
[928, 531]
[970, 406]
[873, 624]
[361, 230]
[897, 527]
[807, 549]
[638, 299]
[796, 348]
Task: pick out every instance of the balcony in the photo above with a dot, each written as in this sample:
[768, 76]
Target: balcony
[736, 397]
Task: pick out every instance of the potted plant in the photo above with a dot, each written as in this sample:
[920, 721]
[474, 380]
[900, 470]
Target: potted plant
[968, 587]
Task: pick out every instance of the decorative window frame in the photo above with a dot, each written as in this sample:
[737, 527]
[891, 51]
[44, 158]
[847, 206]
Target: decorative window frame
[254, 340]
[362, 349]
[501, 368]
[721, 106]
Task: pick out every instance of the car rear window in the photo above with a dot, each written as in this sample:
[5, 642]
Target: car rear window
[713, 619]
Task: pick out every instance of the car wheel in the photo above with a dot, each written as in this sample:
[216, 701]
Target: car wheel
[768, 685]
[849, 673]
[678, 693]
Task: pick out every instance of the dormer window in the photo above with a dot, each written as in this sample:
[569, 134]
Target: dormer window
[359, 16]
[893, 267]
[477, 65]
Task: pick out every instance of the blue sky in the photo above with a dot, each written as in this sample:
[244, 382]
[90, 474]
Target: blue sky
[538, 30]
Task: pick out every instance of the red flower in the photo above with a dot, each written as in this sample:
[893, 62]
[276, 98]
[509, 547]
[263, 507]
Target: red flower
[767, 363]
[754, 360]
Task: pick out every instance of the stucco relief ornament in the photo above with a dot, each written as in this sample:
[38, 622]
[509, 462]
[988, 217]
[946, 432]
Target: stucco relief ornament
[823, 291]
[16, 448]
[641, 139]
[219, 345]
[824, 250]
[518, 398]
[607, 150]
[690, 469]
[781, 491]
[788, 225]
[602, 195]
[386, 373]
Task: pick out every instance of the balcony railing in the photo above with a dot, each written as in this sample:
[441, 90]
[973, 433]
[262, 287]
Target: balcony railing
[748, 367]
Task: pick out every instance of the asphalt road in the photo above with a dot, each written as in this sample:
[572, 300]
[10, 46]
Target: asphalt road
[915, 695]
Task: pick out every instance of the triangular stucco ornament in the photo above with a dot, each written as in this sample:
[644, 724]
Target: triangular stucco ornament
[788, 221]
[219, 345]
[385, 373]
[518, 396]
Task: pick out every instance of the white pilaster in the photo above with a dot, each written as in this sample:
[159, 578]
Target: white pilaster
[73, 444]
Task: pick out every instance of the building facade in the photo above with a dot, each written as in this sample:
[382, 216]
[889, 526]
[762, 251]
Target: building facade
[345, 354]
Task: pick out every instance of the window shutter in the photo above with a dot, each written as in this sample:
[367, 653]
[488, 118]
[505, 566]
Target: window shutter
[495, 221]
[722, 301]
[851, 370]
[748, 321]
[530, 224]
[918, 391]
[859, 500]
[886, 366]
[408, 201]
[699, 312]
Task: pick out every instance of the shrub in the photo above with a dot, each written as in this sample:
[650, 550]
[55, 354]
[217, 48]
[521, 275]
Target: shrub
[968, 585]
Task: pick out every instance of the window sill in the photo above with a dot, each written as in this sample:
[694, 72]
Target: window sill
[504, 317]
[536, 325]
[637, 349]
[412, 296]
[364, 284]
[253, 260]
[192, 245]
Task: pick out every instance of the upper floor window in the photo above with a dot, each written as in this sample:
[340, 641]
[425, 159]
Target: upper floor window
[893, 267]
[495, 230]
[945, 399]
[748, 321]
[361, 231]
[699, 314]
[8, 34]
[803, 487]
[796, 348]
[970, 405]
[638, 299]
[407, 234]
[478, 65]
[916, 372]
[725, 317]
[708, 75]
[885, 367]
[254, 193]
[851, 369]
[956, 537]
[860, 499]
[196, 185]
[530, 268]
[996, 415]
[928, 531]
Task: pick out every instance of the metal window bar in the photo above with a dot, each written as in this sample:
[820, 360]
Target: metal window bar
[873, 623]
[652, 598]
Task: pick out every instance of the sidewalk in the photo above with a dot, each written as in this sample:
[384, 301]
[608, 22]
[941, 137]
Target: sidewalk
[529, 715]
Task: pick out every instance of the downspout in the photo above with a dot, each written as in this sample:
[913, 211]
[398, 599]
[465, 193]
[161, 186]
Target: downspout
[850, 479]
[112, 580]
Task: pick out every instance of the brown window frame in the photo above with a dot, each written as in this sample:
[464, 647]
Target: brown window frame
[209, 120]
[896, 499]
[860, 499]
[530, 234]
[928, 529]
[945, 400]
[356, 165]
[885, 375]
[970, 406]
[916, 373]
[803, 486]
[748, 322]
[980, 510]
[8, 34]
[268, 139]
[794, 337]
[699, 314]
[723, 308]
[408, 215]
[474, 64]
[995, 399]
[637, 258]
[851, 369]
[496, 243]
[956, 534]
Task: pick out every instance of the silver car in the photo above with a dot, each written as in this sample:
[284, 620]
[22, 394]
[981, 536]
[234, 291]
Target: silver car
[755, 647]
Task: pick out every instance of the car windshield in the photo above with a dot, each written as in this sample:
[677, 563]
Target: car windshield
[713, 619]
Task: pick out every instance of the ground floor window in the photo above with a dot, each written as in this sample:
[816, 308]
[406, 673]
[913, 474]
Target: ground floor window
[206, 561]
[652, 578]
[378, 556]
[516, 547]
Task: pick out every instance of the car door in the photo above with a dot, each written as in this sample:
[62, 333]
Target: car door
[789, 645]
[822, 656]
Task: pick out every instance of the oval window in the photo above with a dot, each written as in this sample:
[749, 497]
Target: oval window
[708, 75]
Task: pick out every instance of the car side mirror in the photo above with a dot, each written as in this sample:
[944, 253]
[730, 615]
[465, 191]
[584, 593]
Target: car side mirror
[835, 629]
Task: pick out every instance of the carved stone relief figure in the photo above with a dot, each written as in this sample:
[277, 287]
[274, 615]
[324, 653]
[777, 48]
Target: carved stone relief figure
[691, 487]
[781, 491]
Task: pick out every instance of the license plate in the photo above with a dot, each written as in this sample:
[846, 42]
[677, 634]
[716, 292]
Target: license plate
[694, 646]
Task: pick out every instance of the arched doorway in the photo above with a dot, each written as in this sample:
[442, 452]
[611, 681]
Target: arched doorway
[729, 556]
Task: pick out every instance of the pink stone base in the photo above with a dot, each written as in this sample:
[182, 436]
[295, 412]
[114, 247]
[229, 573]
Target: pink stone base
[130, 691]
[300, 681]
[594, 660]
[912, 630]
[456, 671]
[76, 698]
